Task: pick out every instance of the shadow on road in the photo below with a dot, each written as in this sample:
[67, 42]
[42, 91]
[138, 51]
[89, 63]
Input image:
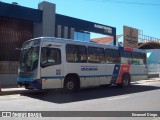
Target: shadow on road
[87, 94]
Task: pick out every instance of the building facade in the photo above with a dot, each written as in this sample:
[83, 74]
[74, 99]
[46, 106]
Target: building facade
[19, 24]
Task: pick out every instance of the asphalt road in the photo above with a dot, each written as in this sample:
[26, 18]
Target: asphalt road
[143, 96]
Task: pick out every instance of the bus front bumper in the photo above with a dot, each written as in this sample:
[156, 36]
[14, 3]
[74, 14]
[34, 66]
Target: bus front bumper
[35, 84]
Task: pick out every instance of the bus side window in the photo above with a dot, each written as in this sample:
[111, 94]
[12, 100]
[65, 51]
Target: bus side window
[100, 55]
[126, 57]
[76, 53]
[112, 56]
[96, 55]
[137, 58]
[50, 56]
[144, 58]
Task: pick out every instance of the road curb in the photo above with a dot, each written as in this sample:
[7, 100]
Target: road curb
[0, 88]
[148, 81]
[11, 91]
[8, 93]
[153, 81]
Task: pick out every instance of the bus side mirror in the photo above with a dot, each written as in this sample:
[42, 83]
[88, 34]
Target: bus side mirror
[18, 49]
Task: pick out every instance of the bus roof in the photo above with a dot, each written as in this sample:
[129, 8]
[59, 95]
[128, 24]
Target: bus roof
[77, 42]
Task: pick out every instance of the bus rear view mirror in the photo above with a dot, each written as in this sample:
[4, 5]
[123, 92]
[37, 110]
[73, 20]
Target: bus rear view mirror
[18, 49]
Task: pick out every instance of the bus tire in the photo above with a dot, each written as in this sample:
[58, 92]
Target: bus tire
[70, 85]
[126, 80]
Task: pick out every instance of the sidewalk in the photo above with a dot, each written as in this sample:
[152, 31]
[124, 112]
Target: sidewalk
[10, 91]
[157, 79]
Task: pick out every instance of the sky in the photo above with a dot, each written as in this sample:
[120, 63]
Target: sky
[141, 14]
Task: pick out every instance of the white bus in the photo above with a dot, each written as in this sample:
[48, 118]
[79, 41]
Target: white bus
[47, 63]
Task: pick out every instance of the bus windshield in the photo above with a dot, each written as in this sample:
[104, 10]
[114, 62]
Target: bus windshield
[29, 59]
[29, 55]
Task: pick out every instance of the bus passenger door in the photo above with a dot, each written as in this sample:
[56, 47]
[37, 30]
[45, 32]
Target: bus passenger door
[51, 68]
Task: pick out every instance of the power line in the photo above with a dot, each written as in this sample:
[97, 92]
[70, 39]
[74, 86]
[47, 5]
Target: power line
[126, 2]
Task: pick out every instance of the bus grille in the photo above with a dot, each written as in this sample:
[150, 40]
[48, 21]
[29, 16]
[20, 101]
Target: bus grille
[25, 75]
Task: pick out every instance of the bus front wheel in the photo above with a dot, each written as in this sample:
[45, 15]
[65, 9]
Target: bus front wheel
[70, 85]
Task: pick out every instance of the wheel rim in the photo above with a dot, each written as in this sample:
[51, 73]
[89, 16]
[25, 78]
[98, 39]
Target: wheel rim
[125, 81]
[70, 85]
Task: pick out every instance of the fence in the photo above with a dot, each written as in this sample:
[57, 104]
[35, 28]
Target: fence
[8, 67]
[153, 69]
[145, 38]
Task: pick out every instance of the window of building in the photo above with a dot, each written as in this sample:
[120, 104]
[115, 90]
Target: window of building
[112, 56]
[76, 53]
[87, 37]
[96, 55]
[75, 35]
[82, 36]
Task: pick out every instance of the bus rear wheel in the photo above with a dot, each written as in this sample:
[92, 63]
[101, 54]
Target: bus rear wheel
[70, 85]
[126, 80]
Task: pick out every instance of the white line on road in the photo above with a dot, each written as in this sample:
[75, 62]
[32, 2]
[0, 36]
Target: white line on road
[117, 98]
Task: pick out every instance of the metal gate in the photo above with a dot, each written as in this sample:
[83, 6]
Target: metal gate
[13, 33]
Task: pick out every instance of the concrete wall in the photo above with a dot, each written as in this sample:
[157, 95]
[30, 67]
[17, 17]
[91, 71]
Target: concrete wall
[71, 33]
[47, 26]
[8, 80]
[64, 32]
[59, 31]
[8, 73]
[153, 62]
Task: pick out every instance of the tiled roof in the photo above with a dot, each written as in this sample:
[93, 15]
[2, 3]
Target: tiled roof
[104, 40]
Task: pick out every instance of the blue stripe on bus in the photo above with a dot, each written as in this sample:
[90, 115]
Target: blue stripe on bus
[52, 77]
[98, 76]
[89, 76]
[138, 74]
